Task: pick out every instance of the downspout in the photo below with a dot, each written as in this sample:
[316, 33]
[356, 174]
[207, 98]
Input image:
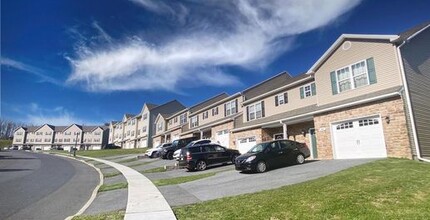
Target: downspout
[409, 105]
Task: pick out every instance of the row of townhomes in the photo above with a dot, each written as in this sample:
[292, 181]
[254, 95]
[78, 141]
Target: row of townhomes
[367, 96]
[48, 137]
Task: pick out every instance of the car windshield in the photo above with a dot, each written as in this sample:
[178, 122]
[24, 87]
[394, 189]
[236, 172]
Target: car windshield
[175, 143]
[258, 148]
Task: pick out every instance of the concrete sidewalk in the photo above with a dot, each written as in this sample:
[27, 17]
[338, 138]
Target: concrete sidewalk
[144, 199]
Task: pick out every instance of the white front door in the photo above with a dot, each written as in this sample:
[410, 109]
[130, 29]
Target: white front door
[245, 144]
[360, 138]
[223, 138]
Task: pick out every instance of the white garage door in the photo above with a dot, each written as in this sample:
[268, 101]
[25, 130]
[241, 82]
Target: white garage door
[245, 144]
[361, 138]
[223, 138]
[143, 143]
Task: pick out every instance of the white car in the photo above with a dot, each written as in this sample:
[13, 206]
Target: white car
[155, 152]
[177, 153]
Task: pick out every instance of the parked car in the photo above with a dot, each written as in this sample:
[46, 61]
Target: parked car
[112, 146]
[26, 148]
[200, 156]
[15, 148]
[271, 155]
[155, 152]
[178, 152]
[167, 152]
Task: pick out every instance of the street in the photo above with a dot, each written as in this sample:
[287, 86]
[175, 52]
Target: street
[41, 186]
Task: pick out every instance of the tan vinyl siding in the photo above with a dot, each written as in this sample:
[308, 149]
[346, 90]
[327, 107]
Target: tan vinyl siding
[294, 102]
[416, 61]
[220, 114]
[386, 66]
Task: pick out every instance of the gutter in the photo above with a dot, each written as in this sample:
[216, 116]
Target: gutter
[408, 102]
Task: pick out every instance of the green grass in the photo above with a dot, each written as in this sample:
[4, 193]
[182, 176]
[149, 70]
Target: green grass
[140, 164]
[109, 187]
[5, 143]
[115, 215]
[127, 160]
[155, 170]
[385, 189]
[107, 175]
[182, 179]
[110, 152]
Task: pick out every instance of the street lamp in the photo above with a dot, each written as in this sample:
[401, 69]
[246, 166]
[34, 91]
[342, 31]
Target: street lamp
[76, 143]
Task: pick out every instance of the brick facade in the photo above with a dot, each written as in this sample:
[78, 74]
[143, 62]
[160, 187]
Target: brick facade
[395, 132]
[257, 133]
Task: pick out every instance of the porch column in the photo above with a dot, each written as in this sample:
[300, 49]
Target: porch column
[201, 134]
[284, 128]
[165, 138]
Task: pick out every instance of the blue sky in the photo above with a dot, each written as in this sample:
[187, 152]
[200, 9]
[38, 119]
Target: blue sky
[91, 61]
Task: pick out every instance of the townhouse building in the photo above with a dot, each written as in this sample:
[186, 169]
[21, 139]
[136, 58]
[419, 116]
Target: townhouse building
[47, 137]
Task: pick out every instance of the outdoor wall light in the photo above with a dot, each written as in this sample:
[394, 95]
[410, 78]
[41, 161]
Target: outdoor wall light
[387, 119]
[304, 132]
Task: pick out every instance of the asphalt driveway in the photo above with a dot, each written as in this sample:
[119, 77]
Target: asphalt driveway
[231, 182]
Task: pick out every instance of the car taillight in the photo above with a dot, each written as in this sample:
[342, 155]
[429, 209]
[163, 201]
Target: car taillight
[189, 157]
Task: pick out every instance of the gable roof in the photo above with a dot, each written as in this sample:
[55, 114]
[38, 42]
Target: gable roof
[411, 32]
[208, 102]
[267, 85]
[341, 39]
[89, 128]
[170, 107]
[60, 128]
[50, 126]
[32, 128]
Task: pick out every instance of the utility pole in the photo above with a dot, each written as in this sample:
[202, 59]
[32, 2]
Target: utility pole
[76, 143]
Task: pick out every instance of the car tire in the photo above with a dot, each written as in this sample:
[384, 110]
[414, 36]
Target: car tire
[261, 167]
[201, 165]
[300, 159]
[170, 155]
[233, 159]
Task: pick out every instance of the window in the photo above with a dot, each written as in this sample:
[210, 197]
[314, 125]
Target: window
[160, 126]
[97, 133]
[175, 120]
[215, 111]
[255, 111]
[345, 125]
[352, 76]
[143, 129]
[145, 116]
[68, 133]
[367, 122]
[18, 140]
[230, 107]
[308, 90]
[205, 115]
[170, 122]
[129, 122]
[128, 133]
[132, 133]
[281, 99]
[194, 121]
[183, 118]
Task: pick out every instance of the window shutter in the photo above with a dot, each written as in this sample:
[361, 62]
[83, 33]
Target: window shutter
[276, 100]
[225, 110]
[262, 109]
[333, 83]
[236, 103]
[371, 70]
[302, 93]
[247, 113]
[285, 97]
[313, 88]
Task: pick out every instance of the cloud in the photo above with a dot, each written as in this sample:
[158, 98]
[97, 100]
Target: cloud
[4, 61]
[56, 116]
[244, 34]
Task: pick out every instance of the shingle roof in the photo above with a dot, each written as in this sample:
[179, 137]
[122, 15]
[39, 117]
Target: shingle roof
[208, 102]
[89, 128]
[60, 128]
[127, 115]
[32, 128]
[406, 34]
[150, 106]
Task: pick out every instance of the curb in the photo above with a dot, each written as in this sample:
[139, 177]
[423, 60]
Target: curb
[94, 194]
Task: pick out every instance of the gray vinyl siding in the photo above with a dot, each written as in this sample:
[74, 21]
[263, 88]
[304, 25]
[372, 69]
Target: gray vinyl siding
[416, 61]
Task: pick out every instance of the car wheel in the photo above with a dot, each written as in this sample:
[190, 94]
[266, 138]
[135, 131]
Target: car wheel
[261, 167]
[300, 159]
[170, 155]
[233, 159]
[201, 165]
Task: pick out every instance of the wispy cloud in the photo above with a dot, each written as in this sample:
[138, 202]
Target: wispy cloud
[4, 61]
[245, 34]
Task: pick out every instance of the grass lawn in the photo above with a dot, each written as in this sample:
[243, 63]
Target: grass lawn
[107, 175]
[110, 152]
[182, 179]
[127, 160]
[116, 215]
[108, 187]
[5, 143]
[155, 170]
[384, 189]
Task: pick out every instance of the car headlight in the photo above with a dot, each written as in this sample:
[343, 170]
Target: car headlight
[251, 158]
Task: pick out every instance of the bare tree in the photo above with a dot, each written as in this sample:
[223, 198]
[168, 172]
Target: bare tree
[8, 127]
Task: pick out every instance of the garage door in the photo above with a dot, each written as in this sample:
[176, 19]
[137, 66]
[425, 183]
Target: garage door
[223, 138]
[245, 144]
[361, 138]
[143, 143]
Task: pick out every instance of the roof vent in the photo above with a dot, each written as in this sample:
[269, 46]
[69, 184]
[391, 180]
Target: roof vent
[346, 45]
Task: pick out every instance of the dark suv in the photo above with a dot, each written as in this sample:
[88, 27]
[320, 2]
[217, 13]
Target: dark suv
[200, 156]
[272, 154]
[167, 152]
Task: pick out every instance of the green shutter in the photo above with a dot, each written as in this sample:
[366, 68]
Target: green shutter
[302, 93]
[371, 70]
[313, 89]
[333, 83]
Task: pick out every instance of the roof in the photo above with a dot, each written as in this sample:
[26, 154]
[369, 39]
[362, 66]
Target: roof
[208, 102]
[217, 103]
[208, 125]
[150, 106]
[278, 87]
[170, 107]
[89, 128]
[339, 41]
[274, 82]
[60, 128]
[178, 113]
[32, 128]
[127, 115]
[412, 31]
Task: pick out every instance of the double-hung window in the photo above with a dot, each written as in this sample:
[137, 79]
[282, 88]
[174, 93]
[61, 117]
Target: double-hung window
[205, 114]
[255, 111]
[353, 76]
[160, 126]
[230, 107]
[194, 121]
[183, 118]
[307, 90]
[281, 99]
[215, 111]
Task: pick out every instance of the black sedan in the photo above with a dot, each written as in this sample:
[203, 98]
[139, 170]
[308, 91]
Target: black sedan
[272, 154]
[199, 157]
